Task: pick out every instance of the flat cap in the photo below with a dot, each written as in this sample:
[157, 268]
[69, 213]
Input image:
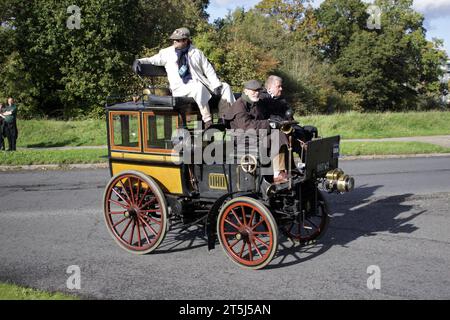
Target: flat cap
[253, 85]
[180, 33]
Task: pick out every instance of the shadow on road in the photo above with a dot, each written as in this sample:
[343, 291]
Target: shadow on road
[353, 216]
[180, 239]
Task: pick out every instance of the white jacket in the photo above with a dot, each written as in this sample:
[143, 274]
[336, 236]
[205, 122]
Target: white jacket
[199, 66]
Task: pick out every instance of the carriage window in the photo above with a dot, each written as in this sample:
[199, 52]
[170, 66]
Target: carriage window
[125, 130]
[193, 121]
[159, 130]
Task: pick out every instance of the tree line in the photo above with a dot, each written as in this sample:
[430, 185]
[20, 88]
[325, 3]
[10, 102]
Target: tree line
[64, 64]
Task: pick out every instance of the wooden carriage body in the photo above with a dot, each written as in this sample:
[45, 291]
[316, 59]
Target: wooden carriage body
[160, 177]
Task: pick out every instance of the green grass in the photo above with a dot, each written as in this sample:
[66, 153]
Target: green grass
[30, 157]
[354, 125]
[80, 156]
[53, 133]
[13, 292]
[349, 148]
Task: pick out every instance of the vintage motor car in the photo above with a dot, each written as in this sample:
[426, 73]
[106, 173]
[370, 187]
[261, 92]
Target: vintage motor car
[154, 187]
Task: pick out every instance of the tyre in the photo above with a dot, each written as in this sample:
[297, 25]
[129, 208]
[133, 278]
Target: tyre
[135, 212]
[247, 232]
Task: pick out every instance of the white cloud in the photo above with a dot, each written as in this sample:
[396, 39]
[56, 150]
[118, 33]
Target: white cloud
[433, 8]
[226, 3]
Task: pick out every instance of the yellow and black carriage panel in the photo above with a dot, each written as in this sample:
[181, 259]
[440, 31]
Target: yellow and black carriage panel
[139, 140]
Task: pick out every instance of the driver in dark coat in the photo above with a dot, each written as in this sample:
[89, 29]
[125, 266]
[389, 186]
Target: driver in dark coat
[245, 114]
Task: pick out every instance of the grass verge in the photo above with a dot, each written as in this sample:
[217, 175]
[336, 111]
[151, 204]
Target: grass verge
[13, 292]
[349, 148]
[83, 156]
[53, 133]
[33, 157]
[353, 125]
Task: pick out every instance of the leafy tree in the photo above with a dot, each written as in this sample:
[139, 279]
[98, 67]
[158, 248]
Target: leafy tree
[58, 71]
[238, 48]
[339, 20]
[389, 68]
[290, 13]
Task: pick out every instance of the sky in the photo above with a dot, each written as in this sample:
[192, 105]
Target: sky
[436, 12]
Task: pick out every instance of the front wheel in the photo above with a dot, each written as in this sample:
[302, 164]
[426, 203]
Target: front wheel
[247, 232]
[135, 212]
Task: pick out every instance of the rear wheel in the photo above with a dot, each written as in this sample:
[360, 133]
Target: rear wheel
[310, 225]
[135, 212]
[247, 232]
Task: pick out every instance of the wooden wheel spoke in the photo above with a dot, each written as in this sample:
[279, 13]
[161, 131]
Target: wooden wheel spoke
[153, 210]
[244, 220]
[232, 224]
[125, 191]
[258, 224]
[262, 242]
[313, 224]
[256, 247]
[117, 212]
[250, 251]
[234, 243]
[242, 249]
[139, 232]
[230, 233]
[234, 214]
[132, 231]
[120, 196]
[151, 219]
[145, 234]
[119, 222]
[142, 198]
[148, 202]
[126, 228]
[149, 226]
[138, 191]
[261, 232]
[251, 218]
[130, 184]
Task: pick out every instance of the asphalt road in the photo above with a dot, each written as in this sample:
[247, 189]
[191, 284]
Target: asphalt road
[397, 219]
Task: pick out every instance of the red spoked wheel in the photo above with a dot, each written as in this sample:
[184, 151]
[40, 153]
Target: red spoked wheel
[135, 212]
[309, 226]
[247, 232]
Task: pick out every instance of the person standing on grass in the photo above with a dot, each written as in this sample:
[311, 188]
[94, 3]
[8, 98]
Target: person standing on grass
[9, 115]
[2, 121]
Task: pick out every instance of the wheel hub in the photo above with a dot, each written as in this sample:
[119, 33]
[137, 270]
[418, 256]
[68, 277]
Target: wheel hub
[245, 234]
[131, 213]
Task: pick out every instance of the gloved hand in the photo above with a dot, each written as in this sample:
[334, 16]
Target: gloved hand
[218, 90]
[289, 115]
[274, 123]
[137, 66]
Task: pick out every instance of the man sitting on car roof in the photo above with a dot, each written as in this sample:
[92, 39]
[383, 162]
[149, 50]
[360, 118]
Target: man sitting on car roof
[189, 72]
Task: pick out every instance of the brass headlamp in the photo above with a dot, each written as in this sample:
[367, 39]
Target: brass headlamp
[337, 180]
